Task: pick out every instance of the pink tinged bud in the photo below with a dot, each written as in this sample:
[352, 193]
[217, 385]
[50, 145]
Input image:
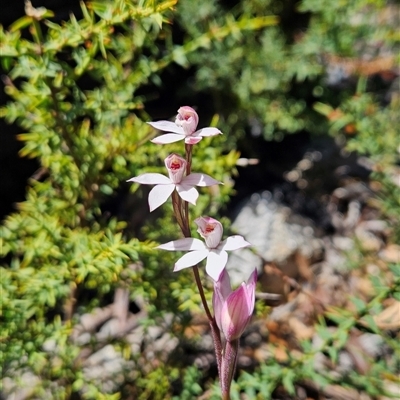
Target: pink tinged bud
[176, 167]
[233, 309]
[188, 119]
[210, 230]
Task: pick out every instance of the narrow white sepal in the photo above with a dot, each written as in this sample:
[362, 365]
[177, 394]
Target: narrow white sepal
[210, 131]
[190, 259]
[198, 179]
[150, 179]
[167, 126]
[233, 243]
[159, 195]
[186, 244]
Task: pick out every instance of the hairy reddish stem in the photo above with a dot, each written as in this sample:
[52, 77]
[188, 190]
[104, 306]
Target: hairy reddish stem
[228, 367]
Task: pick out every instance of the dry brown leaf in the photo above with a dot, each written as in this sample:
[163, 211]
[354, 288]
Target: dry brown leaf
[389, 318]
[300, 330]
[391, 253]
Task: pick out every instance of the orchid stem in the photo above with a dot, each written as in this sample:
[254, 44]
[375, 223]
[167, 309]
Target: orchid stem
[228, 367]
[177, 207]
[216, 334]
[201, 292]
[181, 211]
[188, 151]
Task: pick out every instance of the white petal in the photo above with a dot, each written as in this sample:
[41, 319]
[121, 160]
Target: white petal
[208, 132]
[187, 193]
[216, 262]
[151, 179]
[167, 126]
[233, 243]
[190, 259]
[198, 179]
[167, 138]
[159, 195]
[183, 244]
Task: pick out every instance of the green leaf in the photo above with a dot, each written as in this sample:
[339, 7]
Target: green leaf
[77, 385]
[371, 324]
[288, 379]
[86, 13]
[158, 18]
[21, 23]
[179, 56]
[101, 45]
[324, 333]
[106, 189]
[359, 304]
[6, 62]
[333, 354]
[395, 268]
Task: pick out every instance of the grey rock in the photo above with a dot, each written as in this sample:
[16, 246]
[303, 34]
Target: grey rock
[253, 340]
[264, 223]
[20, 388]
[372, 344]
[107, 353]
[345, 363]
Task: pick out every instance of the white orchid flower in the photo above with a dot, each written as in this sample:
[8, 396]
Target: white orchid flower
[184, 128]
[184, 185]
[213, 249]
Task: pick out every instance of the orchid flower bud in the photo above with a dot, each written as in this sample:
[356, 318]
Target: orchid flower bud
[188, 119]
[176, 167]
[210, 230]
[233, 309]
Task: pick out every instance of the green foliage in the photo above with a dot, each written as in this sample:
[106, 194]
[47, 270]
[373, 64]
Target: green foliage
[191, 387]
[271, 76]
[73, 92]
[373, 132]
